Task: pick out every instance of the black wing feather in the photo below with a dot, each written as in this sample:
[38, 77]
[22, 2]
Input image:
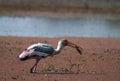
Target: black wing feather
[45, 49]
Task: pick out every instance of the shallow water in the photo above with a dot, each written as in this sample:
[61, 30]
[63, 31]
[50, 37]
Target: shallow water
[59, 27]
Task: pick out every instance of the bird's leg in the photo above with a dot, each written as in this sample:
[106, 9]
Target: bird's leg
[33, 69]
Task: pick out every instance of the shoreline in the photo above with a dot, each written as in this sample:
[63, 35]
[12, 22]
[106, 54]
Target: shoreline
[58, 37]
[105, 41]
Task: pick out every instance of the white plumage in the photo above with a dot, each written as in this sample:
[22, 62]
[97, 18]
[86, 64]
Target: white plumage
[41, 50]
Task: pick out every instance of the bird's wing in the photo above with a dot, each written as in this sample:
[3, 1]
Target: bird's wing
[41, 47]
[39, 54]
[33, 45]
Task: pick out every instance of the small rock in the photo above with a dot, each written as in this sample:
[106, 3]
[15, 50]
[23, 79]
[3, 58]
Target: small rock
[45, 75]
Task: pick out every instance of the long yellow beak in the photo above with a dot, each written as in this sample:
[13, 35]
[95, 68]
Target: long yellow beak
[78, 48]
[71, 44]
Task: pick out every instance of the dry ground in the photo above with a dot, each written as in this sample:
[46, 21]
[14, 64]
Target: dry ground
[100, 60]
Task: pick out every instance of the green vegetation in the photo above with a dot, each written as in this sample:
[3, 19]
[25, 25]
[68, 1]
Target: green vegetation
[51, 68]
[69, 69]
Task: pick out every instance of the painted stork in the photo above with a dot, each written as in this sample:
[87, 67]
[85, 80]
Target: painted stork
[40, 50]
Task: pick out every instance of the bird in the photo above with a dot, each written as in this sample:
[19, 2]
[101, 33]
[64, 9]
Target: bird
[40, 51]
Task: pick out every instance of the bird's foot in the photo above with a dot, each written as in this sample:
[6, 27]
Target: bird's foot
[32, 70]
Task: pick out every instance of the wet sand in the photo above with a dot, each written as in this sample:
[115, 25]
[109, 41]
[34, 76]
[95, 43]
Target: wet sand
[100, 60]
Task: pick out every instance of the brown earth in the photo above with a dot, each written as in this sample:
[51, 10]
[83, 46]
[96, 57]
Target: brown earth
[51, 9]
[46, 11]
[100, 60]
[63, 10]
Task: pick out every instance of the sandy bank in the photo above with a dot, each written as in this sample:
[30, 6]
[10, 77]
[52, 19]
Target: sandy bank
[100, 60]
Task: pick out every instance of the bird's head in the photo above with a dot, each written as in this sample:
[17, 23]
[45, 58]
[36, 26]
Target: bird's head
[65, 42]
[25, 54]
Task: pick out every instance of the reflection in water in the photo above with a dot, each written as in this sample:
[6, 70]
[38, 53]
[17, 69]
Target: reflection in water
[55, 27]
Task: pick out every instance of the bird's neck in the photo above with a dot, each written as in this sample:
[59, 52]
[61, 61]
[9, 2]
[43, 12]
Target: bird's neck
[59, 48]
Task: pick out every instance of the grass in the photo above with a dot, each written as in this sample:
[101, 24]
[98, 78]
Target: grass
[69, 69]
[51, 69]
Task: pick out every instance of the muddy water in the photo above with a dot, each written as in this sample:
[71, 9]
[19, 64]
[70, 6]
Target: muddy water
[58, 27]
